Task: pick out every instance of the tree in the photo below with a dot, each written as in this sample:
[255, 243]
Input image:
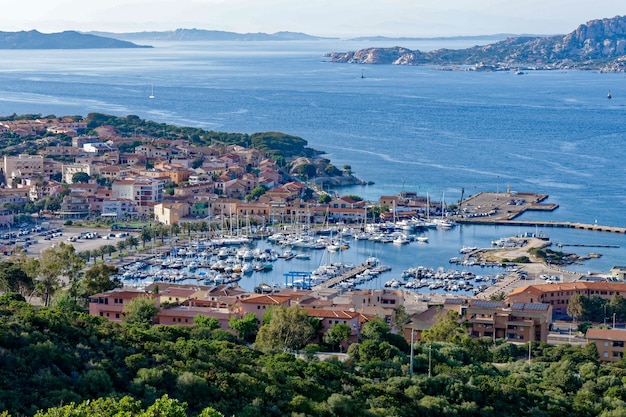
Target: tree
[376, 330]
[146, 235]
[54, 263]
[257, 192]
[617, 304]
[324, 198]
[80, 177]
[244, 326]
[98, 279]
[140, 312]
[576, 307]
[13, 278]
[347, 169]
[289, 328]
[132, 241]
[206, 322]
[337, 334]
[446, 329]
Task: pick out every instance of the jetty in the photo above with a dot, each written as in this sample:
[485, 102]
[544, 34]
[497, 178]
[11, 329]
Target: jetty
[504, 208]
[343, 277]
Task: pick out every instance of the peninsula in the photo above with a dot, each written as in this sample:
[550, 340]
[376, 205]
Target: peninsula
[597, 44]
[33, 39]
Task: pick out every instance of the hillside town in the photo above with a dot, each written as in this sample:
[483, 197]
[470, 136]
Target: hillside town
[171, 182]
[101, 176]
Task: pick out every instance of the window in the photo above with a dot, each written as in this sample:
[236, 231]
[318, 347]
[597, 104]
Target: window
[117, 315]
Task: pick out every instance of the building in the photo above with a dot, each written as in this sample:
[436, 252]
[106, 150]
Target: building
[68, 171]
[170, 213]
[111, 304]
[516, 322]
[145, 192]
[558, 295]
[609, 342]
[261, 303]
[619, 272]
[75, 205]
[118, 208]
[22, 166]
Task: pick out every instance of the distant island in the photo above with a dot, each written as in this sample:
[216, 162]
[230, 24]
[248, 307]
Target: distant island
[64, 40]
[598, 44]
[209, 35]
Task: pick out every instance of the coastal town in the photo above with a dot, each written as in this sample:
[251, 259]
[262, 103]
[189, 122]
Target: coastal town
[241, 193]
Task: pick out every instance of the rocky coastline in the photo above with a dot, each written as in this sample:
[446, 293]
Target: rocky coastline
[596, 45]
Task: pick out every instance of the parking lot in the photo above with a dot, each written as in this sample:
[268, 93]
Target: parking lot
[34, 240]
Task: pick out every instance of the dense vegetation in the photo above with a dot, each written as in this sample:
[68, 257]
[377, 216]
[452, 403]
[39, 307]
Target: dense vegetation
[271, 143]
[55, 358]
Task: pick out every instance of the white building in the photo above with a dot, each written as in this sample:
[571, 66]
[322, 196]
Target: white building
[119, 208]
[22, 166]
[68, 171]
[144, 192]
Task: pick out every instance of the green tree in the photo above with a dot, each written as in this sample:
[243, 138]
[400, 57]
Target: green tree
[257, 192]
[376, 330]
[206, 322]
[244, 326]
[13, 278]
[324, 198]
[576, 307]
[146, 235]
[446, 329]
[347, 169]
[54, 263]
[289, 328]
[80, 177]
[337, 334]
[140, 312]
[98, 279]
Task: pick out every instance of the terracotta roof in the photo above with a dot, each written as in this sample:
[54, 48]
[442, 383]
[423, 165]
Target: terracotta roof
[266, 299]
[607, 334]
[333, 314]
[570, 286]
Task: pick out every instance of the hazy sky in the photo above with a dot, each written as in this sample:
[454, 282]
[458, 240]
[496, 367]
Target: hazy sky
[342, 18]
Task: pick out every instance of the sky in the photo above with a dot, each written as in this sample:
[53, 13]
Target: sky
[338, 18]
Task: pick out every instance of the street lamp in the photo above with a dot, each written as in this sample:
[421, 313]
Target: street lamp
[412, 351]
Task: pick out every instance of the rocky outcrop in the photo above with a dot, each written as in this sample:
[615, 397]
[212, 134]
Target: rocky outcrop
[598, 44]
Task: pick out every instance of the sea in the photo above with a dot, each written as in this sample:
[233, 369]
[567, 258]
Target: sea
[400, 128]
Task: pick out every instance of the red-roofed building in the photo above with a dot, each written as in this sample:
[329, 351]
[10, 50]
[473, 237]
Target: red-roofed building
[516, 322]
[609, 342]
[558, 295]
[259, 304]
[328, 318]
[111, 304]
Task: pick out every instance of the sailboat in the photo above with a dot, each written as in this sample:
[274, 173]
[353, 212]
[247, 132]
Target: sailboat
[151, 92]
[609, 96]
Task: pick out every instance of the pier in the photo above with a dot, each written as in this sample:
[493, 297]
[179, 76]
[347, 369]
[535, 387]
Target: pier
[570, 225]
[343, 277]
[503, 208]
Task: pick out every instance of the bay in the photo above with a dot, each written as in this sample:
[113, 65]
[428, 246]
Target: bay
[404, 128]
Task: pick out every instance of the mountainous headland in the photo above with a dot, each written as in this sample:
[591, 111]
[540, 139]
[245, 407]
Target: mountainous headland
[598, 44]
[33, 39]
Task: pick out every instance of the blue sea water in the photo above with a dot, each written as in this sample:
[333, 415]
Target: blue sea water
[404, 128]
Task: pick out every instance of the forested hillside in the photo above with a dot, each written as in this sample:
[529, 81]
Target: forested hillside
[57, 358]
